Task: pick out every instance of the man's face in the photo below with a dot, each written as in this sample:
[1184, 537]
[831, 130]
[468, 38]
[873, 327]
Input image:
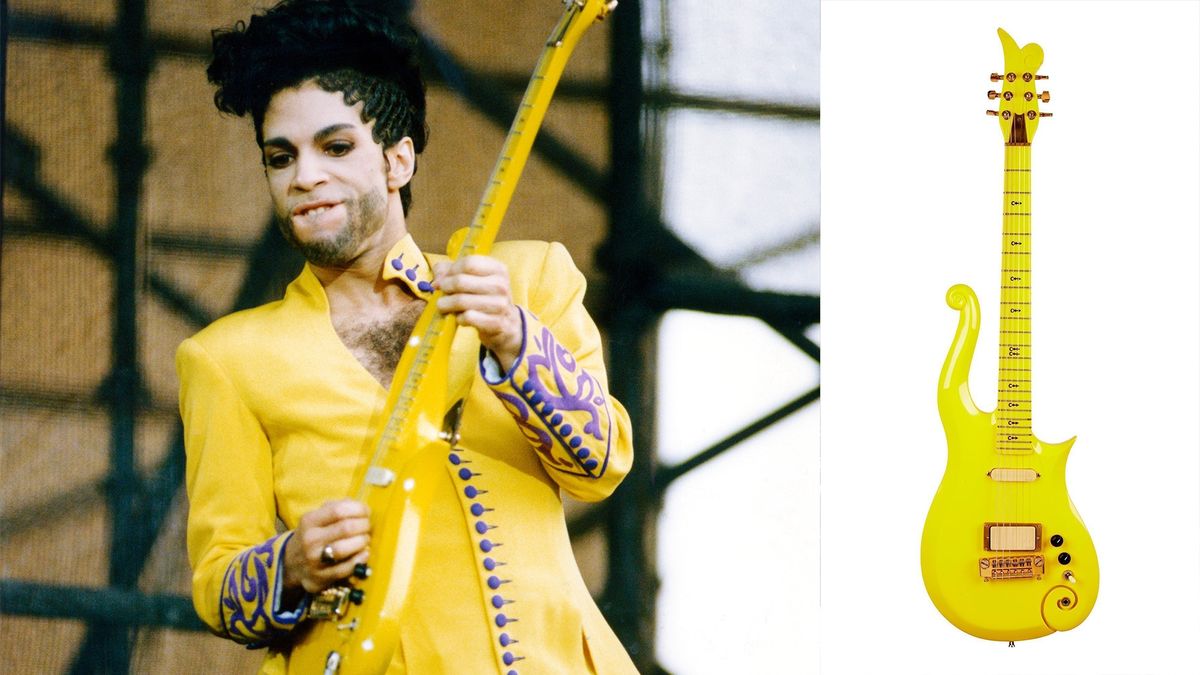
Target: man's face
[327, 176]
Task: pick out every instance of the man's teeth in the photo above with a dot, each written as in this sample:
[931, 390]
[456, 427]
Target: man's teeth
[317, 211]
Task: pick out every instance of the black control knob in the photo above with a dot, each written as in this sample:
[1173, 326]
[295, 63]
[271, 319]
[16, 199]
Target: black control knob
[1064, 557]
[1056, 540]
[356, 596]
[362, 570]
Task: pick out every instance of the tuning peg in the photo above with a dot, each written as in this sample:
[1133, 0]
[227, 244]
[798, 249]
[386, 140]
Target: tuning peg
[992, 94]
[996, 77]
[994, 113]
[1046, 114]
[1044, 96]
[1041, 77]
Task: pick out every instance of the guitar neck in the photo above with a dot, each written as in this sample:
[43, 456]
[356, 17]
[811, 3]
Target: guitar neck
[434, 330]
[1014, 406]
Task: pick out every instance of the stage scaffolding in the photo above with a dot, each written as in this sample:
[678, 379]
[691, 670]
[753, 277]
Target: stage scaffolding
[641, 271]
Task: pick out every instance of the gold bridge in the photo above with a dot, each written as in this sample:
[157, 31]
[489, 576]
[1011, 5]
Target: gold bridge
[331, 603]
[1012, 567]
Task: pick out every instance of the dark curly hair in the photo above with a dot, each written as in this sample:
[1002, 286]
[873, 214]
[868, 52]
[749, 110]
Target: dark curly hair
[346, 47]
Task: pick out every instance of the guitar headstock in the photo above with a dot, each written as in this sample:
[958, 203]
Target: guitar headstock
[577, 18]
[1018, 97]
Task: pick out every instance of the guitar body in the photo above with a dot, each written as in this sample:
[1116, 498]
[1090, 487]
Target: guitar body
[362, 637]
[1005, 555]
[953, 543]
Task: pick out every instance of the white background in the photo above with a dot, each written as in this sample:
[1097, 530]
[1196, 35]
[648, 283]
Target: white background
[911, 176]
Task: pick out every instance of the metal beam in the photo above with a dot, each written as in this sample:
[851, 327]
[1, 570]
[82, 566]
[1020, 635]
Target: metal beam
[101, 606]
[668, 474]
[21, 160]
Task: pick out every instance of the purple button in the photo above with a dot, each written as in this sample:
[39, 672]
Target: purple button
[493, 582]
[547, 409]
[470, 492]
[455, 459]
[489, 564]
[591, 464]
[485, 546]
[527, 387]
[481, 527]
[505, 640]
[497, 601]
[566, 430]
[425, 286]
[509, 658]
[464, 473]
[583, 452]
[575, 441]
[477, 509]
[501, 620]
[556, 420]
[536, 398]
[398, 263]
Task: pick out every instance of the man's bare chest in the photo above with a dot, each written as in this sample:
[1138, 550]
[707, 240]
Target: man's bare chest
[377, 341]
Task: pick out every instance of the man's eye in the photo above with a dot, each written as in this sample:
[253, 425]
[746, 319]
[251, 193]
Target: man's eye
[279, 160]
[339, 148]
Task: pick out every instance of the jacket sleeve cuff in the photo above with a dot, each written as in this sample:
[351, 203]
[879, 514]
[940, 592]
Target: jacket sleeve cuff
[561, 409]
[252, 594]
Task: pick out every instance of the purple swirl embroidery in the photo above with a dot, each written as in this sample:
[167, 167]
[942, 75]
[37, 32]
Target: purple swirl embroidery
[554, 363]
[246, 594]
[540, 440]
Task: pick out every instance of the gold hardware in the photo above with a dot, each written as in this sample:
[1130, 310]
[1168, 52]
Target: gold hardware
[992, 94]
[1069, 576]
[1028, 77]
[1041, 77]
[451, 422]
[1012, 567]
[1046, 114]
[1029, 96]
[1031, 115]
[1003, 475]
[1008, 96]
[996, 77]
[1011, 77]
[329, 603]
[994, 113]
[1006, 114]
[1012, 536]
[1064, 602]
[1044, 96]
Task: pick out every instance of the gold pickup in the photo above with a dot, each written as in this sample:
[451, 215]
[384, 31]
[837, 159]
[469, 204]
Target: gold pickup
[1012, 537]
[1006, 475]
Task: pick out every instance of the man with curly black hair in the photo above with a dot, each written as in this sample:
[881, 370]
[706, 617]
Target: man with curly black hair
[280, 402]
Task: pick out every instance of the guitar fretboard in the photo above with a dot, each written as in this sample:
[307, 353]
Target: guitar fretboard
[1014, 407]
[434, 329]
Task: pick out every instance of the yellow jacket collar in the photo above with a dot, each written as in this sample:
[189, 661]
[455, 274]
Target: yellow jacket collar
[406, 263]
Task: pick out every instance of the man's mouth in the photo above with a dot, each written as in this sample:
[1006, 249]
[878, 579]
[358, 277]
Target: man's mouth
[313, 209]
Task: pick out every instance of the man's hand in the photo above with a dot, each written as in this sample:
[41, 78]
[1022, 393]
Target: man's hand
[475, 288]
[342, 525]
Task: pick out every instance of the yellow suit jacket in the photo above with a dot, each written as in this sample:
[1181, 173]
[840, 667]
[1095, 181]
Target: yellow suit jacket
[278, 416]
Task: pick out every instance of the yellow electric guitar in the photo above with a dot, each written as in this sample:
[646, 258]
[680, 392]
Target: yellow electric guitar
[354, 628]
[1005, 555]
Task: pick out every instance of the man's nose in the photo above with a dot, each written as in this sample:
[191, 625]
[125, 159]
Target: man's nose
[310, 171]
